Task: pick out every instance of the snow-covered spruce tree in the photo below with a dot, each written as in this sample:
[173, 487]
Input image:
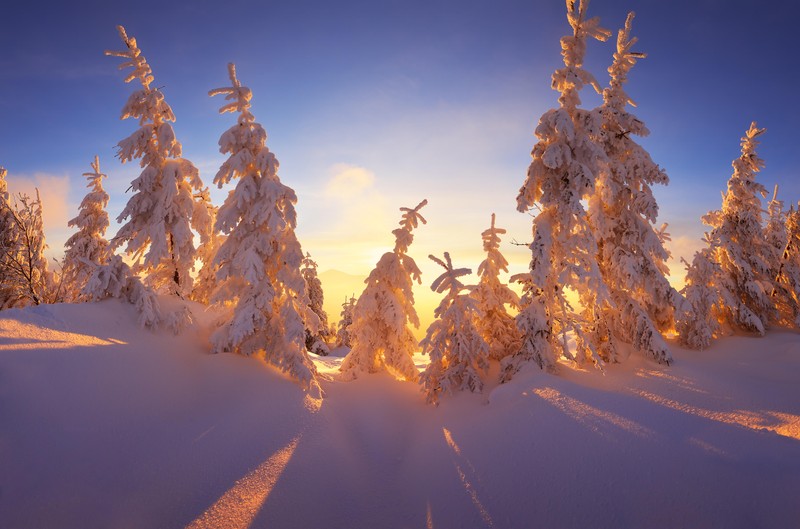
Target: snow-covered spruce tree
[623, 211]
[453, 341]
[777, 238]
[259, 262]
[775, 232]
[699, 320]
[739, 246]
[316, 342]
[497, 326]
[160, 212]
[205, 216]
[87, 248]
[565, 163]
[343, 338]
[788, 278]
[380, 333]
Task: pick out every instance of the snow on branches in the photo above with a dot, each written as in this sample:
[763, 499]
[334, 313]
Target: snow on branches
[738, 248]
[24, 275]
[87, 248]
[160, 212]
[622, 211]
[343, 338]
[565, 163]
[457, 350]
[259, 261]
[380, 333]
[316, 342]
[496, 326]
[788, 277]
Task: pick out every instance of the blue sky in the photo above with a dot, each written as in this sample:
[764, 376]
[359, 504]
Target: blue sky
[373, 105]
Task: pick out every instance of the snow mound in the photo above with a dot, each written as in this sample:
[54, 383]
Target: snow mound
[105, 425]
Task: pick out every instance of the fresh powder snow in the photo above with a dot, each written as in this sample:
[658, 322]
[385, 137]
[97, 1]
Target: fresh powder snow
[103, 425]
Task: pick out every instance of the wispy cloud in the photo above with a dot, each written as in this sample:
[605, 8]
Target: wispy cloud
[349, 181]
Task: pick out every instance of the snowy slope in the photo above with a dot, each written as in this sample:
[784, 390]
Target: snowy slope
[105, 425]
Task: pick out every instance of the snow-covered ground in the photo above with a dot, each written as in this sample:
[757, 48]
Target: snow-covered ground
[105, 425]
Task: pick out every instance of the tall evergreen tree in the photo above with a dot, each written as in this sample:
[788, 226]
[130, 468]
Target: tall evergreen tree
[622, 211]
[316, 342]
[497, 326]
[87, 248]
[453, 342]
[788, 277]
[699, 320]
[343, 337]
[742, 251]
[159, 214]
[777, 239]
[380, 333]
[259, 262]
[565, 163]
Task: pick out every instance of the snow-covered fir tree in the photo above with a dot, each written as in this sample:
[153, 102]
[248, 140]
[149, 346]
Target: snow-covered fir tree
[87, 248]
[775, 232]
[380, 333]
[205, 217]
[453, 341]
[565, 163]
[788, 277]
[698, 322]
[739, 246]
[777, 239]
[316, 342]
[497, 326]
[159, 214]
[259, 262]
[623, 211]
[343, 338]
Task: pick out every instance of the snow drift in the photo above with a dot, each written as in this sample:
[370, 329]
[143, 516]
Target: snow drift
[105, 425]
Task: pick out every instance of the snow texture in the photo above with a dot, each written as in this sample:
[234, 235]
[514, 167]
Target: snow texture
[104, 425]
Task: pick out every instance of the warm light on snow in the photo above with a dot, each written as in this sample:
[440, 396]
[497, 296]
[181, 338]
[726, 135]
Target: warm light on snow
[16, 335]
[238, 507]
[785, 424]
[590, 416]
